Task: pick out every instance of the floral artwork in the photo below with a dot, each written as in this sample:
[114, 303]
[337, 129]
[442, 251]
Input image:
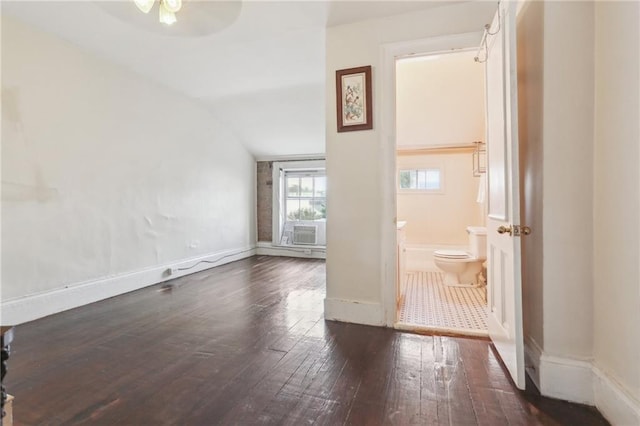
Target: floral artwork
[354, 99]
[353, 109]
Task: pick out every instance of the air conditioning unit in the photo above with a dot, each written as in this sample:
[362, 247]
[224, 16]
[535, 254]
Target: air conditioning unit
[305, 234]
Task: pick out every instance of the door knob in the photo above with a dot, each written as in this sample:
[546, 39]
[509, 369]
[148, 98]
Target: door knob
[504, 229]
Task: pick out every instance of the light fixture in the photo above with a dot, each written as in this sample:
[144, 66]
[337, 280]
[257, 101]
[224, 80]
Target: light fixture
[168, 9]
[171, 5]
[166, 16]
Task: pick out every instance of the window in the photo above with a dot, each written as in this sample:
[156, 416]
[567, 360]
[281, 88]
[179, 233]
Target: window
[300, 203]
[306, 193]
[421, 179]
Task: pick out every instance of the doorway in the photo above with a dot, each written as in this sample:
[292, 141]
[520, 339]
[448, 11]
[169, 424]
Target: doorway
[440, 193]
[504, 299]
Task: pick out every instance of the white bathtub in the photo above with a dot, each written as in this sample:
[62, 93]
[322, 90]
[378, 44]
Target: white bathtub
[419, 257]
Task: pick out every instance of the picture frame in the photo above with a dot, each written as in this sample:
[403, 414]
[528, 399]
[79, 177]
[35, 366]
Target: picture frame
[353, 99]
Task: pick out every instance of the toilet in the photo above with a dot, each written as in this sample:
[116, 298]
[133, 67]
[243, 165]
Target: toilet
[462, 268]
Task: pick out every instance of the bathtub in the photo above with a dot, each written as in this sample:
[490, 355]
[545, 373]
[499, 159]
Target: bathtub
[419, 257]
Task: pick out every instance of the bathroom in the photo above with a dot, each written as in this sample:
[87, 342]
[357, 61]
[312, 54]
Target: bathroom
[441, 203]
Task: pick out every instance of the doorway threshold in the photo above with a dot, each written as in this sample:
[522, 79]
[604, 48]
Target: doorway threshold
[440, 331]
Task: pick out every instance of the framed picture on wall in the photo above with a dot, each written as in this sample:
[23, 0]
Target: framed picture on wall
[353, 96]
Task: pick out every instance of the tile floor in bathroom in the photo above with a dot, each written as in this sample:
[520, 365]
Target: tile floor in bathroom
[430, 304]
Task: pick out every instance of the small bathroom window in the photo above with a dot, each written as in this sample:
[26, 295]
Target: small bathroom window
[420, 179]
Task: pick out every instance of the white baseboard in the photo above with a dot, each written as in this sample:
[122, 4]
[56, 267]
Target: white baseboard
[532, 354]
[566, 378]
[613, 401]
[268, 249]
[558, 377]
[583, 382]
[29, 308]
[353, 311]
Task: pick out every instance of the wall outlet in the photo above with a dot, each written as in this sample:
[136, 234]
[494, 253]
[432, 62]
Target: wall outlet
[172, 271]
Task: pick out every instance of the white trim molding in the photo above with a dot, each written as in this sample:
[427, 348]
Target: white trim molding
[353, 311]
[266, 248]
[32, 307]
[567, 379]
[558, 377]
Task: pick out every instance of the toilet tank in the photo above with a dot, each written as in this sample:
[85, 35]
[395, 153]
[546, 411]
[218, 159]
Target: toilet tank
[477, 241]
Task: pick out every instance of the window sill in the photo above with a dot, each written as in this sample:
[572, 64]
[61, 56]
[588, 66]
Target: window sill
[269, 249]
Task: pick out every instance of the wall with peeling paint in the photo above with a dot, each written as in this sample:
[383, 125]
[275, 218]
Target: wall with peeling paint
[106, 173]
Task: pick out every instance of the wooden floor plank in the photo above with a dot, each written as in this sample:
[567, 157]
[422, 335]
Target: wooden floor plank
[428, 391]
[454, 401]
[246, 343]
[369, 402]
[484, 396]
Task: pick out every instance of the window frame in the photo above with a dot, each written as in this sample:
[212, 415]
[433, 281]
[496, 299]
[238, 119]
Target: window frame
[279, 189]
[439, 190]
[300, 174]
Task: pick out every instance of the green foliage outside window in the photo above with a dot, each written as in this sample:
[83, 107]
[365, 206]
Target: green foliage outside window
[405, 179]
[306, 213]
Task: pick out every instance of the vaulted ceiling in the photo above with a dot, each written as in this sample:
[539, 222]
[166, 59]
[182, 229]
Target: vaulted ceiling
[258, 66]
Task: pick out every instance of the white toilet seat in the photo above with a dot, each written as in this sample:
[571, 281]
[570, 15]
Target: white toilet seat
[452, 255]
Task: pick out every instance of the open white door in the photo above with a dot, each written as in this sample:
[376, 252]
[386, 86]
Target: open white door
[504, 281]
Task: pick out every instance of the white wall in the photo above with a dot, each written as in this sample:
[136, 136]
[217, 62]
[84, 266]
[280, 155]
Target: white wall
[617, 205]
[568, 178]
[439, 101]
[358, 190]
[441, 218]
[105, 173]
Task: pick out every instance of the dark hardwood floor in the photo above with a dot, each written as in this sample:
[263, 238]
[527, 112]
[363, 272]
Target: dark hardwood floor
[246, 343]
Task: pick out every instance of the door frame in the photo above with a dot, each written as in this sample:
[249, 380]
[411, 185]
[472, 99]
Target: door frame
[387, 119]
